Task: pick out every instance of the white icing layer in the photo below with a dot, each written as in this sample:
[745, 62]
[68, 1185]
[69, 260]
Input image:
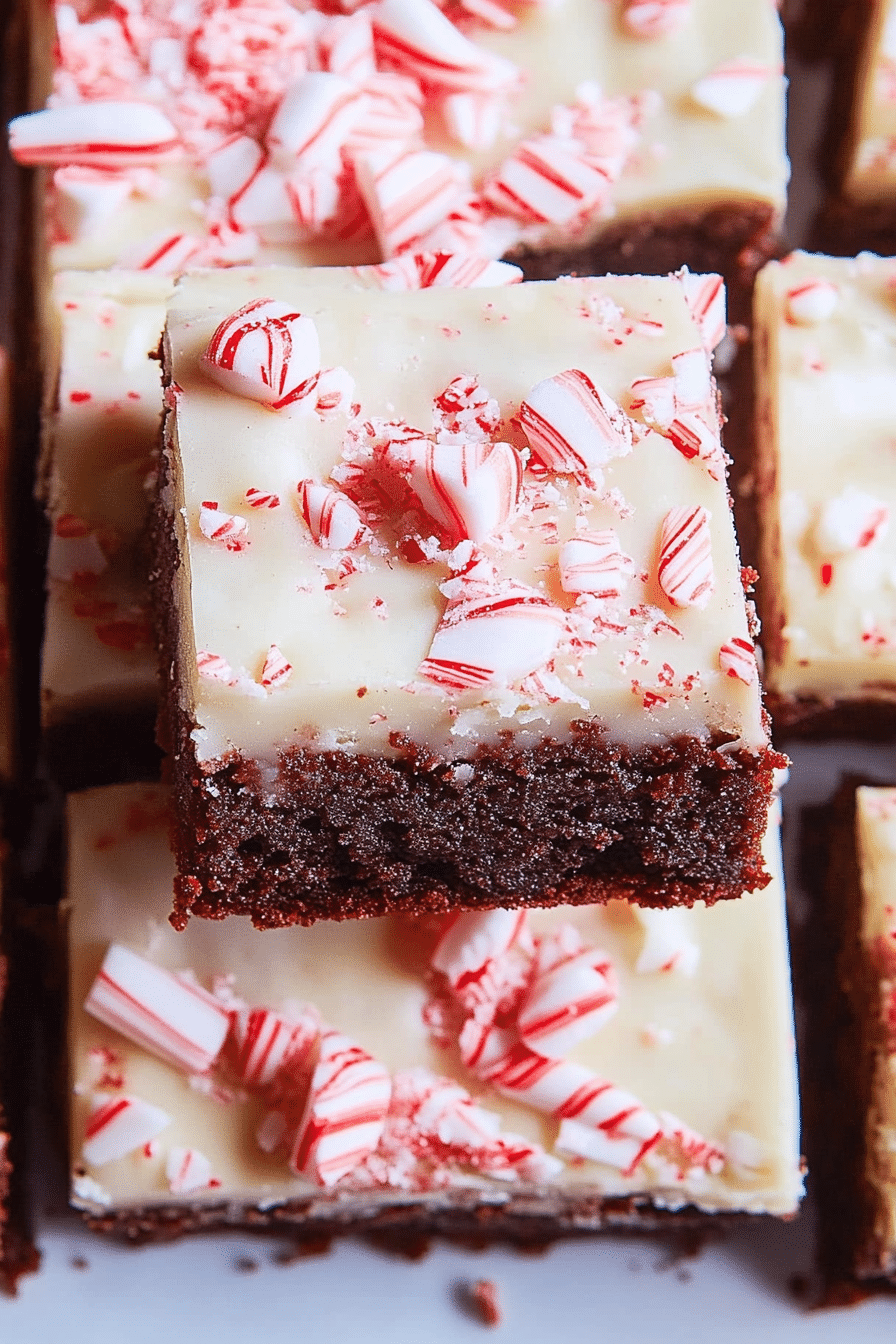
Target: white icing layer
[870, 174]
[827, 475]
[714, 1049]
[361, 647]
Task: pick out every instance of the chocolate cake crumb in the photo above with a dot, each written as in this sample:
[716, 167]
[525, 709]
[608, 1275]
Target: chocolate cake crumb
[482, 1301]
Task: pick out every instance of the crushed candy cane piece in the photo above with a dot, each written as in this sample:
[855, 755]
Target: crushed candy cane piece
[345, 1113]
[187, 1169]
[593, 562]
[685, 570]
[333, 520]
[850, 521]
[228, 528]
[733, 87]
[120, 1125]
[811, 302]
[667, 945]
[267, 352]
[574, 426]
[263, 1042]
[737, 658]
[97, 134]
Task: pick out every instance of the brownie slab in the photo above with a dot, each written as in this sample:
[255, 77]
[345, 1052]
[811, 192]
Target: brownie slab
[518, 1075]
[826, 487]
[466, 663]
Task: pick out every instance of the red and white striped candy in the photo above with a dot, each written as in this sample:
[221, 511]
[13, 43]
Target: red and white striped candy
[262, 1042]
[265, 203]
[685, 570]
[607, 1146]
[851, 521]
[548, 180]
[654, 400]
[470, 490]
[568, 1092]
[85, 197]
[213, 667]
[407, 193]
[573, 426]
[732, 88]
[737, 659]
[693, 383]
[334, 392]
[345, 1114]
[693, 437]
[667, 943]
[655, 18]
[568, 1003]
[494, 640]
[705, 296]
[267, 352]
[165, 253]
[416, 38]
[314, 121]
[228, 528]
[592, 562]
[689, 1148]
[96, 135]
[168, 1015]
[261, 499]
[120, 1125]
[811, 302]
[474, 119]
[471, 942]
[315, 196]
[276, 670]
[345, 46]
[231, 165]
[187, 1169]
[75, 552]
[332, 518]
[393, 116]
[452, 270]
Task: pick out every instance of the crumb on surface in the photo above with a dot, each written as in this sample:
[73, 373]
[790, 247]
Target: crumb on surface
[482, 1301]
[246, 1265]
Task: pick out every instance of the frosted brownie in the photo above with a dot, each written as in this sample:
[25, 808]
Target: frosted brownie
[826, 378]
[516, 1074]
[628, 135]
[101, 430]
[462, 622]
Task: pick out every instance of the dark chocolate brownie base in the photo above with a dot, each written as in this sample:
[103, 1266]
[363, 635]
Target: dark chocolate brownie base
[734, 239]
[812, 719]
[831, 976]
[580, 821]
[526, 1221]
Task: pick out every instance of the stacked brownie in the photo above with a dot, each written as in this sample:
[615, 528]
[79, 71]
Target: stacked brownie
[450, 616]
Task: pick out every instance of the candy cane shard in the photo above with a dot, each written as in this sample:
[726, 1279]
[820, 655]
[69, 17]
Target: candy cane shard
[314, 121]
[737, 659]
[693, 381]
[267, 352]
[594, 562]
[228, 528]
[261, 499]
[165, 253]
[262, 1043]
[345, 46]
[568, 1003]
[416, 38]
[187, 1169]
[685, 572]
[655, 18]
[345, 1113]
[333, 520]
[168, 1015]
[471, 942]
[232, 165]
[495, 639]
[98, 135]
[667, 945]
[120, 1125]
[407, 193]
[548, 180]
[812, 302]
[851, 521]
[213, 667]
[85, 197]
[574, 426]
[705, 296]
[470, 490]
[276, 670]
[75, 552]
[441, 270]
[733, 87]
[473, 119]
[393, 114]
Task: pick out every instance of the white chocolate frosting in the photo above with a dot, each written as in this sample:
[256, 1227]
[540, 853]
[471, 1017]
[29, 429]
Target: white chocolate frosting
[356, 645]
[826, 374]
[696, 117]
[707, 1040]
[870, 173]
[876, 838]
[99, 440]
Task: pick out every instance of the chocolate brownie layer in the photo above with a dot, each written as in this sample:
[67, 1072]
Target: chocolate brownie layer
[356, 836]
[735, 240]
[833, 976]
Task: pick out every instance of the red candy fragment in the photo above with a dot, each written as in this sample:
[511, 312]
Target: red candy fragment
[345, 1113]
[267, 352]
[685, 571]
[574, 426]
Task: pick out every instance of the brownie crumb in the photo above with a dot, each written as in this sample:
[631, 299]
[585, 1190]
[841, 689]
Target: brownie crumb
[303, 1250]
[246, 1265]
[79, 1262]
[482, 1300]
